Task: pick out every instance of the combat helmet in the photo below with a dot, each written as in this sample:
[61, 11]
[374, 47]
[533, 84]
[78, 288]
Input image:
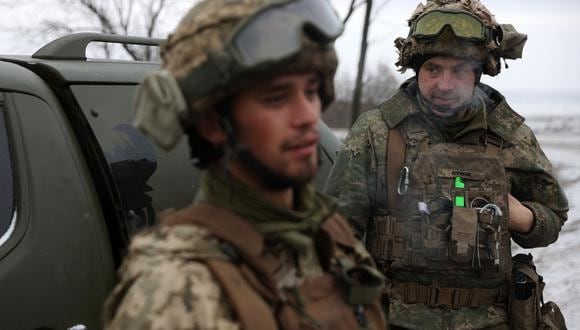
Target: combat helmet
[222, 46]
[462, 28]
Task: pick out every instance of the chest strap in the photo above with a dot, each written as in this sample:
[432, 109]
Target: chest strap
[250, 286]
[394, 164]
[434, 296]
[252, 311]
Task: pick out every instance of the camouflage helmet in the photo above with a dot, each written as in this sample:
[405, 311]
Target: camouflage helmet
[185, 90]
[494, 42]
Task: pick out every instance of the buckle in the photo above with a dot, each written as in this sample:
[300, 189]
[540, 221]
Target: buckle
[432, 299]
[493, 140]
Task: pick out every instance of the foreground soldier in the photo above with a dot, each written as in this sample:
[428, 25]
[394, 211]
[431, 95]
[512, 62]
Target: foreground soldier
[260, 248]
[443, 174]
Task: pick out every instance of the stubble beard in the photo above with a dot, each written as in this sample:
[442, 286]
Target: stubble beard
[274, 180]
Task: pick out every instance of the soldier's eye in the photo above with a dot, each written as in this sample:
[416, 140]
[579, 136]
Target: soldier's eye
[273, 99]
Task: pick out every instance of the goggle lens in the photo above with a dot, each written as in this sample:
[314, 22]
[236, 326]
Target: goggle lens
[276, 32]
[464, 25]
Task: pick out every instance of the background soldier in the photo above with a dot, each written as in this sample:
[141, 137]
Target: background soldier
[443, 174]
[246, 80]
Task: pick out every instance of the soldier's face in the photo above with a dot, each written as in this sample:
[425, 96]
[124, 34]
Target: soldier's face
[447, 82]
[277, 122]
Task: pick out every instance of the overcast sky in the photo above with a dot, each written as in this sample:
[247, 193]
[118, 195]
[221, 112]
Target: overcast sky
[549, 65]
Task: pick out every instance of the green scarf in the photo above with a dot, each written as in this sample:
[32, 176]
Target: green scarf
[295, 227]
[454, 127]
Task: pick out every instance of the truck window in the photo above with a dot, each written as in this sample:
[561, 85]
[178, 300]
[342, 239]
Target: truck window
[7, 219]
[148, 180]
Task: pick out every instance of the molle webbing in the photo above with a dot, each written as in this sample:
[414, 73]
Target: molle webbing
[433, 296]
[389, 239]
[385, 225]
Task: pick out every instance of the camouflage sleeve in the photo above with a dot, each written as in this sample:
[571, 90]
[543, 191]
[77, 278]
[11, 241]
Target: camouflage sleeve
[171, 296]
[353, 178]
[164, 286]
[533, 183]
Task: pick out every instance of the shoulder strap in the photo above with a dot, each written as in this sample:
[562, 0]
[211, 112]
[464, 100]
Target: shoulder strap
[339, 230]
[252, 311]
[245, 294]
[493, 145]
[222, 223]
[395, 159]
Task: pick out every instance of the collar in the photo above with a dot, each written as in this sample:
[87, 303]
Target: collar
[501, 118]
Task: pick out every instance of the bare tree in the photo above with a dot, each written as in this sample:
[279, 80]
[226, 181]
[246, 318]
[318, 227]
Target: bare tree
[356, 99]
[122, 17]
[380, 84]
[368, 19]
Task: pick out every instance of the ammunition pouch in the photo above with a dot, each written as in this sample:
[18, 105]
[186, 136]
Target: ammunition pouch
[526, 307]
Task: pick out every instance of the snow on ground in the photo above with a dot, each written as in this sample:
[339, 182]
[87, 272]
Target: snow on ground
[559, 263]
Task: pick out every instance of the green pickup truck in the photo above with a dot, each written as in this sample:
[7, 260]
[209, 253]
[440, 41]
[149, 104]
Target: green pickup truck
[77, 180]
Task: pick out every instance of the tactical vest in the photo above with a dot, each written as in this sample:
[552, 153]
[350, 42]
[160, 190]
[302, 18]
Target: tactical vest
[346, 296]
[450, 219]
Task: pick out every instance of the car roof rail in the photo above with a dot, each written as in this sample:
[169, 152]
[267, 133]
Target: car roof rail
[74, 46]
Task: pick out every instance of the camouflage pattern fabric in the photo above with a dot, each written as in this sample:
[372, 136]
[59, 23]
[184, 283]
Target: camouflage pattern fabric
[509, 46]
[423, 318]
[204, 31]
[164, 283]
[358, 181]
[201, 36]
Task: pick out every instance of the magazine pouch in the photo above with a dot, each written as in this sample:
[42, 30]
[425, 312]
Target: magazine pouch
[526, 307]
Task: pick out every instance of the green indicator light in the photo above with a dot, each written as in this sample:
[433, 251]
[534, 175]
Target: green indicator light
[459, 183]
[459, 201]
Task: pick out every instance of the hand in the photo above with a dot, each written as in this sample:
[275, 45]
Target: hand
[521, 219]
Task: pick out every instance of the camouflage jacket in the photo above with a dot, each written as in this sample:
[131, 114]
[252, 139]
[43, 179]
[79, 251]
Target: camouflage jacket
[358, 181]
[165, 284]
[162, 286]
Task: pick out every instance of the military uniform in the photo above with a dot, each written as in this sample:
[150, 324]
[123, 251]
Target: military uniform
[259, 248]
[359, 181]
[170, 279]
[163, 286]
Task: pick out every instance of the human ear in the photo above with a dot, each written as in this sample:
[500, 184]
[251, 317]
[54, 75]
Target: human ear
[210, 129]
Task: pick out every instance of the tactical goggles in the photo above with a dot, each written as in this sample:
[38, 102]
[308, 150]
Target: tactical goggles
[463, 24]
[272, 34]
